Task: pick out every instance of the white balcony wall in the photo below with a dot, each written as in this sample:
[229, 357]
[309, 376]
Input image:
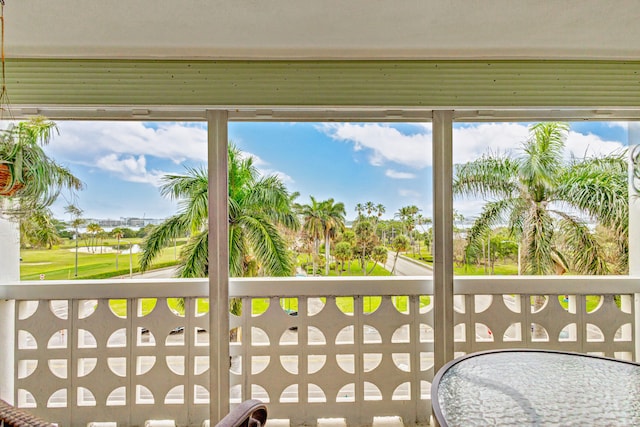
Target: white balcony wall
[78, 359]
[9, 272]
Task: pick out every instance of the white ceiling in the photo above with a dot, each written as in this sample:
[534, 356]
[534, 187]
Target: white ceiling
[324, 29]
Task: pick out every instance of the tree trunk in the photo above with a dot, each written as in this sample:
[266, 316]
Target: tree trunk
[372, 268]
[395, 260]
[326, 254]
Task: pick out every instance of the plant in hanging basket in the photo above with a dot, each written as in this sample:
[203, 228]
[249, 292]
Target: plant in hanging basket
[8, 186]
[27, 174]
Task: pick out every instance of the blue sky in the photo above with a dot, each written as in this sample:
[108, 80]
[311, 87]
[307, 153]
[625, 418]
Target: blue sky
[122, 163]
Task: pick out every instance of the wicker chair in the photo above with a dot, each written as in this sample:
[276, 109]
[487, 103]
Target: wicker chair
[10, 416]
[250, 413]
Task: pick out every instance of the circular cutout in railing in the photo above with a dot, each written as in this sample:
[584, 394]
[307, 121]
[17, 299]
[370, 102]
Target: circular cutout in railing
[315, 394]
[26, 367]
[370, 361]
[58, 399]
[426, 333]
[370, 335]
[85, 397]
[347, 393]
[315, 336]
[176, 364]
[86, 339]
[402, 392]
[289, 363]
[87, 307]
[290, 394]
[175, 396]
[58, 339]
[86, 365]
[58, 367]
[118, 338]
[260, 393]
[402, 361]
[200, 395]
[426, 361]
[259, 364]
[401, 335]
[26, 340]
[346, 362]
[315, 362]
[26, 309]
[175, 337]
[118, 397]
[118, 365]
[512, 302]
[371, 391]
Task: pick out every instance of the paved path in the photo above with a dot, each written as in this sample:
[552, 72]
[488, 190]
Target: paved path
[404, 267]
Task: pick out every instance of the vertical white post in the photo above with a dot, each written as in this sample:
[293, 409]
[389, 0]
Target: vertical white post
[9, 272]
[634, 227]
[218, 266]
[443, 237]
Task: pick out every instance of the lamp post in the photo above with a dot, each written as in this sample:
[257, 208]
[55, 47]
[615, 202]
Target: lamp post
[76, 267]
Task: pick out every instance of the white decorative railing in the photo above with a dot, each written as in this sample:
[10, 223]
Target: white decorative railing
[125, 351]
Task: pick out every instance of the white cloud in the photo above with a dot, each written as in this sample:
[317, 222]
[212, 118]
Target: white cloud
[262, 167]
[384, 142]
[85, 141]
[286, 179]
[587, 145]
[409, 193]
[130, 168]
[123, 147]
[399, 175]
[472, 141]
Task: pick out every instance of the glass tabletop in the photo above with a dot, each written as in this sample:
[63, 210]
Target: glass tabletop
[537, 388]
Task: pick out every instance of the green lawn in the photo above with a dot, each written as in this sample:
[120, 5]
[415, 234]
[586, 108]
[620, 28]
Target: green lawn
[350, 269]
[345, 304]
[119, 306]
[474, 270]
[59, 263]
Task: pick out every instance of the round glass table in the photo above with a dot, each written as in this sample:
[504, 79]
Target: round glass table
[536, 388]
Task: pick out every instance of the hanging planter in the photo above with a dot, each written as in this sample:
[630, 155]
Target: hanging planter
[27, 173]
[8, 185]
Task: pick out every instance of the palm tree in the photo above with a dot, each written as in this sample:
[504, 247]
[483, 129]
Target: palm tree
[257, 206]
[94, 230]
[38, 229]
[313, 226]
[343, 253]
[407, 216]
[365, 241]
[380, 209]
[76, 222]
[369, 207]
[323, 220]
[118, 233]
[379, 256]
[400, 244]
[333, 219]
[529, 192]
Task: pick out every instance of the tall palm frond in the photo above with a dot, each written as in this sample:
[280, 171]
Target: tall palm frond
[161, 237]
[256, 207]
[528, 192]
